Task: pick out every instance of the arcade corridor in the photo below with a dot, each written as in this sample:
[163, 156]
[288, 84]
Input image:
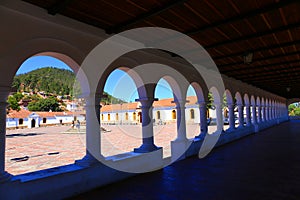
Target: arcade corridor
[261, 166]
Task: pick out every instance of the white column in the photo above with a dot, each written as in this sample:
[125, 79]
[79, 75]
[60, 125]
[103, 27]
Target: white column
[248, 117]
[231, 117]
[267, 112]
[203, 119]
[181, 126]
[270, 112]
[93, 136]
[259, 120]
[241, 115]
[4, 176]
[219, 116]
[147, 126]
[254, 120]
[263, 117]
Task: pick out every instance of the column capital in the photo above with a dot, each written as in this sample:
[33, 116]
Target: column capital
[230, 105]
[146, 102]
[180, 103]
[202, 103]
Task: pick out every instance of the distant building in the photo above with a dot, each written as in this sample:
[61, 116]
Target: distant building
[27, 119]
[164, 111]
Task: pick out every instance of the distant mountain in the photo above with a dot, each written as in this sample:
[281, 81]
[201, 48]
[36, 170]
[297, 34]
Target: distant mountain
[49, 80]
[52, 81]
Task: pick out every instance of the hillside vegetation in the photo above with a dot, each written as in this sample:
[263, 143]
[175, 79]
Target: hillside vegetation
[52, 81]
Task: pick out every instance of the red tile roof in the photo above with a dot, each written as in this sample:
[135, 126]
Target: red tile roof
[18, 114]
[116, 107]
[25, 113]
[192, 100]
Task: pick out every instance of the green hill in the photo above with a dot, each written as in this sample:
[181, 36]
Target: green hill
[51, 81]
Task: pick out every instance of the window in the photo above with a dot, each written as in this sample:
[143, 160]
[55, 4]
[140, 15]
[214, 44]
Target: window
[134, 116]
[173, 114]
[102, 117]
[117, 116]
[192, 114]
[126, 116]
[44, 120]
[21, 121]
[108, 117]
[158, 114]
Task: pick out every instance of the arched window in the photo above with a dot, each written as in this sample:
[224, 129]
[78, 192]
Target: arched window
[102, 117]
[192, 114]
[134, 116]
[117, 116]
[108, 117]
[173, 114]
[158, 114]
[126, 116]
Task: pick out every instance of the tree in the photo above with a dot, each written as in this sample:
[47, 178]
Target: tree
[48, 104]
[13, 103]
[18, 96]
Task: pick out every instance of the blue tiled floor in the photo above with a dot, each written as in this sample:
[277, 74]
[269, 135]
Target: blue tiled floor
[262, 166]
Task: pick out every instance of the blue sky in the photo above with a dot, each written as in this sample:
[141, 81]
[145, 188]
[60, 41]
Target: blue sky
[118, 84]
[36, 62]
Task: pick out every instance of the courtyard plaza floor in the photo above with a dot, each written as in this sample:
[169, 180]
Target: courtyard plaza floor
[29, 150]
[264, 166]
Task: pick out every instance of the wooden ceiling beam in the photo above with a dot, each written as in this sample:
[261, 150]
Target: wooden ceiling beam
[252, 13]
[251, 67]
[261, 59]
[276, 79]
[272, 77]
[58, 6]
[122, 26]
[265, 48]
[253, 36]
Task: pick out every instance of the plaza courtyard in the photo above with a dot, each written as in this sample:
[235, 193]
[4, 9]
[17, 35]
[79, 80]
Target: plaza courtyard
[29, 150]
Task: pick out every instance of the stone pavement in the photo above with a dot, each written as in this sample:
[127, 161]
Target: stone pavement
[35, 149]
[261, 166]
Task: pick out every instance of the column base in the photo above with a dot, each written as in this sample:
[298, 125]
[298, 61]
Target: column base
[201, 136]
[5, 176]
[146, 148]
[179, 148]
[87, 161]
[230, 130]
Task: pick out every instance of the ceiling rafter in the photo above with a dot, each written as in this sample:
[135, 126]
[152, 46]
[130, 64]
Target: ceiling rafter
[265, 48]
[58, 6]
[249, 14]
[122, 26]
[255, 35]
[262, 59]
[275, 82]
[251, 67]
[233, 19]
[283, 73]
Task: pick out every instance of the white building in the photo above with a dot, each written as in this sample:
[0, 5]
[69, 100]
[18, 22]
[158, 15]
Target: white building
[27, 119]
[164, 111]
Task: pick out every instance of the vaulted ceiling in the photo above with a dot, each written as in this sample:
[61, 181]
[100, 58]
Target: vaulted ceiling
[270, 29]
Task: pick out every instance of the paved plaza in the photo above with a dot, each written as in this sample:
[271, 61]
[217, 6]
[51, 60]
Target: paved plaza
[40, 148]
